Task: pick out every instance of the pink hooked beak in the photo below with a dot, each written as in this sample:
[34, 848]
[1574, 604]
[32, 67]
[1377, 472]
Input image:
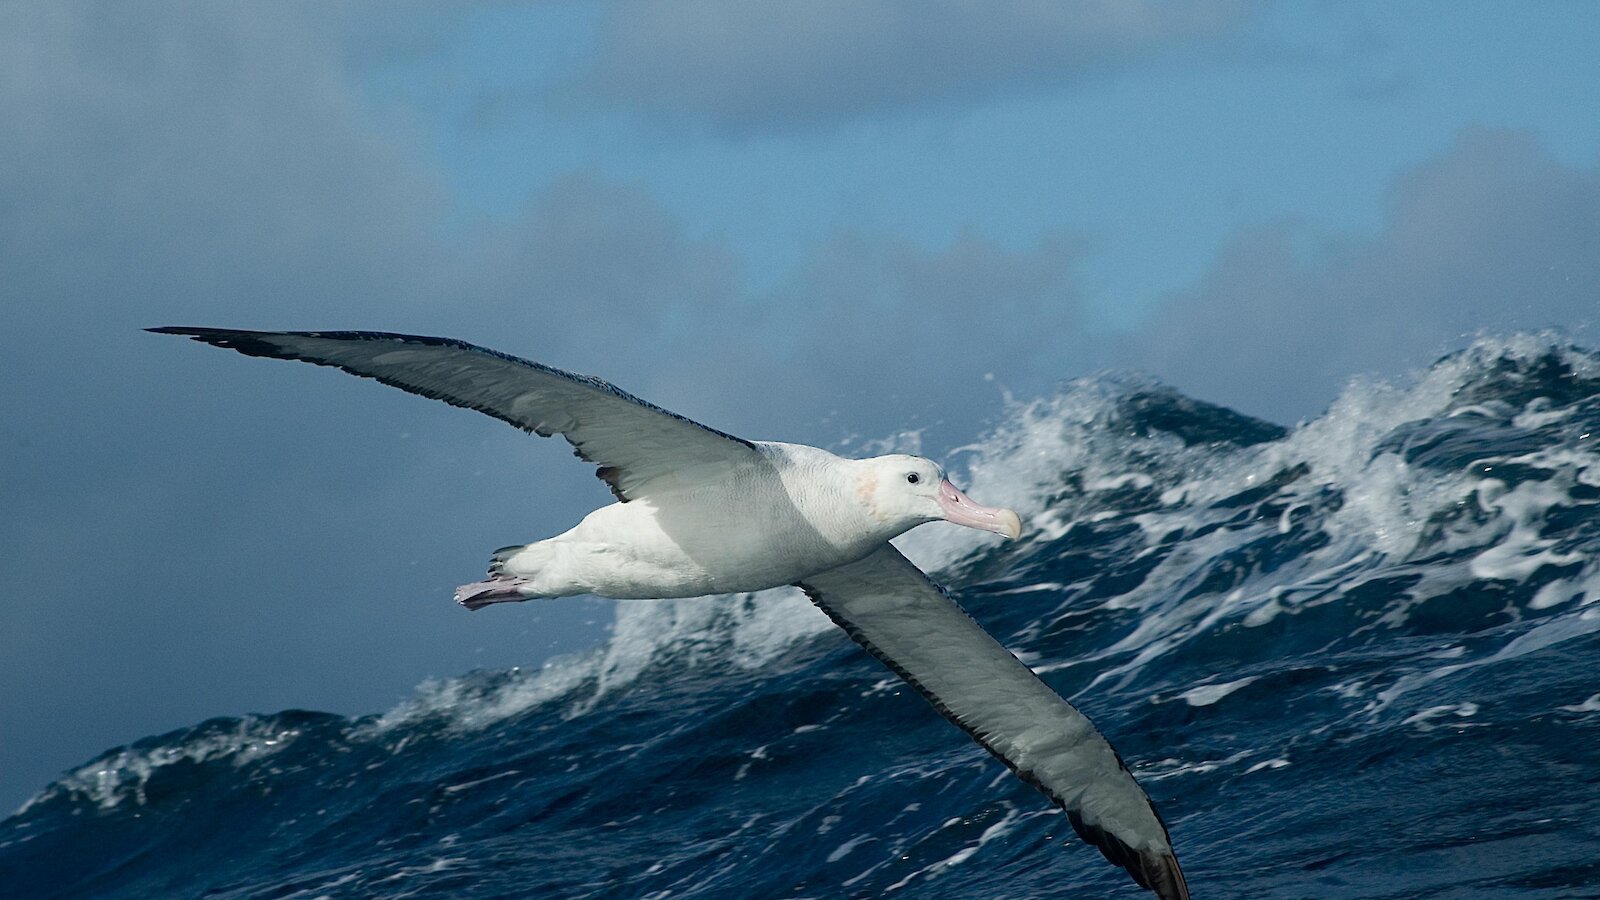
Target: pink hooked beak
[960, 509]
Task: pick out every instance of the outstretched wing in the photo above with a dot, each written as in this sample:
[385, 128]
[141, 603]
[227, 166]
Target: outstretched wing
[889, 607]
[633, 442]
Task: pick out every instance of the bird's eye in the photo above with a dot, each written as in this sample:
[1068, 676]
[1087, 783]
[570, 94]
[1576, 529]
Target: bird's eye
[912, 478]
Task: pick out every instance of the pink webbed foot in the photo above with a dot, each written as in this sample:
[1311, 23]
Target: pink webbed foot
[499, 589]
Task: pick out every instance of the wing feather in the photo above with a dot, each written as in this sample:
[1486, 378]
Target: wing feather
[888, 606]
[634, 443]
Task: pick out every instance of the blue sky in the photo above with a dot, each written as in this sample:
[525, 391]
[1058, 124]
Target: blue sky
[1308, 110]
[809, 221]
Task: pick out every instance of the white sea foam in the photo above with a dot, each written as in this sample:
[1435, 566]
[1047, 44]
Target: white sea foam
[1590, 705]
[1207, 694]
[1522, 552]
[746, 630]
[1007, 824]
[1389, 512]
[1172, 768]
[440, 864]
[846, 848]
[1274, 763]
[1546, 634]
[1427, 719]
[121, 776]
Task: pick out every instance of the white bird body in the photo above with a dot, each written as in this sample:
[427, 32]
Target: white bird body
[700, 512]
[756, 524]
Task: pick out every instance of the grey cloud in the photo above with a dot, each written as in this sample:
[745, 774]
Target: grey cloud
[750, 67]
[870, 333]
[610, 261]
[873, 334]
[195, 146]
[203, 162]
[1491, 235]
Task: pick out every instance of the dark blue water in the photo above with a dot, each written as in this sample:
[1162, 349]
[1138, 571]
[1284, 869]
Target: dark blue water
[1359, 658]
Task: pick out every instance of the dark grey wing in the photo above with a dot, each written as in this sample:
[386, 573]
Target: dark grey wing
[889, 607]
[633, 442]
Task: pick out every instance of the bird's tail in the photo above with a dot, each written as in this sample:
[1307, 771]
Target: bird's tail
[496, 589]
[500, 587]
[497, 563]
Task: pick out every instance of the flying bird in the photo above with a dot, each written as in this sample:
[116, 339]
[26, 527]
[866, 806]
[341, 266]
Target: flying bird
[700, 512]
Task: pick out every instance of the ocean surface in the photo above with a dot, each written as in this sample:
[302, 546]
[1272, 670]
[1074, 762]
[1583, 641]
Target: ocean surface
[1355, 658]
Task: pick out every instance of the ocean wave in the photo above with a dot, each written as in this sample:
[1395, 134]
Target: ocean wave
[1289, 632]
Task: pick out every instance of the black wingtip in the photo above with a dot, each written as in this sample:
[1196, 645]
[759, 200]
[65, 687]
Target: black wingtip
[201, 334]
[1165, 876]
[207, 335]
[1154, 870]
[250, 343]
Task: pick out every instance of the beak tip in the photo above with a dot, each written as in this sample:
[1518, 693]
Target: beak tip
[957, 508]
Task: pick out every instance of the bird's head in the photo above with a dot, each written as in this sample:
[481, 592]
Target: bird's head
[906, 491]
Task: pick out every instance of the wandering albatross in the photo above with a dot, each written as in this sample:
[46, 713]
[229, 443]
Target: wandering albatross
[702, 512]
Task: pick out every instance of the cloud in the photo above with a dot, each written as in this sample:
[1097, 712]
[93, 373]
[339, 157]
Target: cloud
[167, 162]
[605, 261]
[903, 335]
[755, 67]
[873, 334]
[1491, 235]
[870, 332]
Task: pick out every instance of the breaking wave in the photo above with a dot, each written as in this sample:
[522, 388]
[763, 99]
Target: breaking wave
[1353, 658]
